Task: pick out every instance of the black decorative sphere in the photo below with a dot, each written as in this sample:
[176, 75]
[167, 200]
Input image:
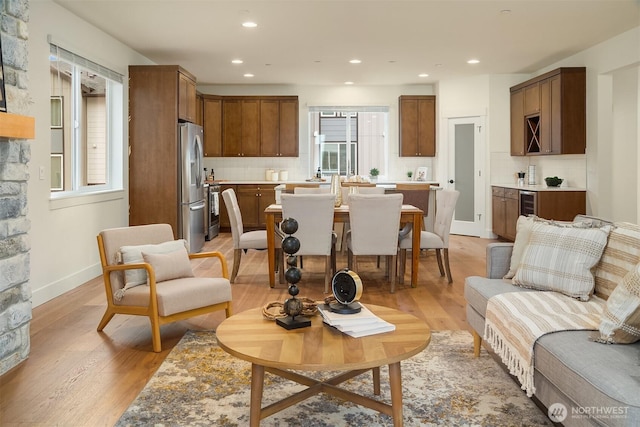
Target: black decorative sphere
[293, 307]
[292, 275]
[290, 244]
[289, 225]
[292, 261]
[293, 290]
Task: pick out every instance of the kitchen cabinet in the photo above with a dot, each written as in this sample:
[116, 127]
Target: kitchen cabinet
[253, 199]
[279, 127]
[417, 116]
[505, 210]
[552, 119]
[240, 127]
[225, 223]
[199, 110]
[507, 204]
[212, 125]
[187, 97]
[155, 99]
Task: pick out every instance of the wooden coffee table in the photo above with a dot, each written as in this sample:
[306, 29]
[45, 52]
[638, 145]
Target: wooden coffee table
[271, 348]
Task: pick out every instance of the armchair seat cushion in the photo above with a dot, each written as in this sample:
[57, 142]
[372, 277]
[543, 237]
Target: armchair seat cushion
[427, 240]
[178, 295]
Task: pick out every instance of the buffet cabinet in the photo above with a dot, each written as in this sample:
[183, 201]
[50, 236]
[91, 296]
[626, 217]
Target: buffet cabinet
[417, 114]
[508, 203]
[253, 199]
[250, 126]
[548, 114]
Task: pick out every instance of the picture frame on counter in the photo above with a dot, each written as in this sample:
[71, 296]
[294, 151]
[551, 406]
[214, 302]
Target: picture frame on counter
[421, 174]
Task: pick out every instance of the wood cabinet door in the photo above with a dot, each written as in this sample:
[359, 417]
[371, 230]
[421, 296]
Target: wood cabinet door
[417, 126]
[224, 215]
[248, 204]
[289, 128]
[517, 123]
[270, 127]
[511, 213]
[551, 116]
[408, 127]
[427, 127]
[498, 212]
[250, 128]
[212, 126]
[532, 99]
[199, 120]
[186, 98]
[267, 196]
[231, 127]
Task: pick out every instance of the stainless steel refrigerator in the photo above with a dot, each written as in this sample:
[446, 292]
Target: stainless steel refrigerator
[192, 202]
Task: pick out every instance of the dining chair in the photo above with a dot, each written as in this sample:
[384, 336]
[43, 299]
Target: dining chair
[374, 221]
[343, 229]
[148, 273]
[314, 213]
[416, 194]
[438, 239]
[291, 187]
[244, 240]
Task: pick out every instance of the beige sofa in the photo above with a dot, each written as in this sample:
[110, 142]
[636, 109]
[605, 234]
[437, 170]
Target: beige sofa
[581, 382]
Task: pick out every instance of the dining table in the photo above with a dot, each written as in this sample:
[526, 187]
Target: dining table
[409, 214]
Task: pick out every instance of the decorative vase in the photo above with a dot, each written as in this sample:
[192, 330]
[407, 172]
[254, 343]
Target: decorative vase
[336, 189]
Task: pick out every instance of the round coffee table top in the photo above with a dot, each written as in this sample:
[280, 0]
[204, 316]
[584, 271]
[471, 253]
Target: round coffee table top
[249, 336]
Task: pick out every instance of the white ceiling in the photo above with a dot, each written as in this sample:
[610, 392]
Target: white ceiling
[310, 42]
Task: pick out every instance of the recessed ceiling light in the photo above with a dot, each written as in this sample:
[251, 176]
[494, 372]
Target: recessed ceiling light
[473, 61]
[348, 83]
[505, 11]
[423, 75]
[237, 61]
[248, 75]
[249, 24]
[355, 61]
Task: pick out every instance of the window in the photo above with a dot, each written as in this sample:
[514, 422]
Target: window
[86, 125]
[349, 140]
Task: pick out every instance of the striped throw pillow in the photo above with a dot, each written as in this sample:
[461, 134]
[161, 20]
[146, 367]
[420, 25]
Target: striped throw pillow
[620, 256]
[620, 321]
[561, 258]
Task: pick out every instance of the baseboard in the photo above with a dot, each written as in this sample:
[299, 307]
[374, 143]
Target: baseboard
[54, 289]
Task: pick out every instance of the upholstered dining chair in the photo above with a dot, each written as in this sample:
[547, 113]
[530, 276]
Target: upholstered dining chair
[374, 221]
[343, 229]
[292, 187]
[148, 273]
[314, 213]
[244, 240]
[438, 239]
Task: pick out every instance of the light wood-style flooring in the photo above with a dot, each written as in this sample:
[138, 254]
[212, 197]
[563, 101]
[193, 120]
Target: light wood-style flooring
[76, 376]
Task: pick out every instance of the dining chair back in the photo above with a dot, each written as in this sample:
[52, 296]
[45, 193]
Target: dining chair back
[374, 220]
[291, 187]
[416, 194]
[243, 240]
[148, 273]
[314, 214]
[438, 239]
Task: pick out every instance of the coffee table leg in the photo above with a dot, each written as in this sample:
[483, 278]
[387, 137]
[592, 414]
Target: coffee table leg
[395, 381]
[257, 381]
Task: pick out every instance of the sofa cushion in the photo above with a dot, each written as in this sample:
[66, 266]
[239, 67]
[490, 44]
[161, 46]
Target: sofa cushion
[592, 375]
[560, 259]
[173, 265]
[620, 256]
[478, 290]
[620, 322]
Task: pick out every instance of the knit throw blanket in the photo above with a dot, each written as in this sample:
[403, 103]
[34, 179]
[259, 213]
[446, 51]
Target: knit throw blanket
[515, 320]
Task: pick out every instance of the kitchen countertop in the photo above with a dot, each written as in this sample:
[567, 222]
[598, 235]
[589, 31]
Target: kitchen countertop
[327, 182]
[538, 187]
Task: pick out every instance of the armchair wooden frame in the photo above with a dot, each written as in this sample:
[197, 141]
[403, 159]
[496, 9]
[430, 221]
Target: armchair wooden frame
[151, 311]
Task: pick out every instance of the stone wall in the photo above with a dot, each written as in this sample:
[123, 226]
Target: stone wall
[15, 293]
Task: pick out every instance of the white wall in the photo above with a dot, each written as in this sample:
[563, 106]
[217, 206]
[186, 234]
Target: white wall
[64, 252]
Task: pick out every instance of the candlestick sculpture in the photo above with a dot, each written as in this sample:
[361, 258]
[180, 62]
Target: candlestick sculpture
[292, 306]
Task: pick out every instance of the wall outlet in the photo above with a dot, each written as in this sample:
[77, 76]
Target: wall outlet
[42, 171]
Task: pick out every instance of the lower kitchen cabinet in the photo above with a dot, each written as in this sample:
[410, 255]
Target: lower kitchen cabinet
[253, 199]
[509, 203]
[505, 208]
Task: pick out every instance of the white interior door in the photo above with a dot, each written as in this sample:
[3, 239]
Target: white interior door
[466, 160]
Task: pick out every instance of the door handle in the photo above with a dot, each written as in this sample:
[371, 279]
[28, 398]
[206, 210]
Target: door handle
[450, 181]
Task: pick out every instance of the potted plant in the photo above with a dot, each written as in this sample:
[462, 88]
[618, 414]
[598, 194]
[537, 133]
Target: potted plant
[374, 172]
[409, 175]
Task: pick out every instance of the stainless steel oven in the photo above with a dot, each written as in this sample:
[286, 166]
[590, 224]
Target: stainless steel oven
[213, 212]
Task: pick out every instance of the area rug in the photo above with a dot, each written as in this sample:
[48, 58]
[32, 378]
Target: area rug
[201, 385]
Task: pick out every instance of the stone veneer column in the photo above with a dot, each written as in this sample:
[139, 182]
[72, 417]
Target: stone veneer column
[15, 292]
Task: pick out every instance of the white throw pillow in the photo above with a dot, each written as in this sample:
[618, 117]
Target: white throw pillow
[174, 265]
[133, 255]
[561, 258]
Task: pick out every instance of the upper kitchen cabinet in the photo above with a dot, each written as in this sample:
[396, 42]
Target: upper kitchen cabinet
[259, 126]
[187, 110]
[417, 125]
[155, 98]
[199, 110]
[212, 125]
[279, 127]
[548, 114]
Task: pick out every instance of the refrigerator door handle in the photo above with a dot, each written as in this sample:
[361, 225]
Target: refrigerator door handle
[196, 207]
